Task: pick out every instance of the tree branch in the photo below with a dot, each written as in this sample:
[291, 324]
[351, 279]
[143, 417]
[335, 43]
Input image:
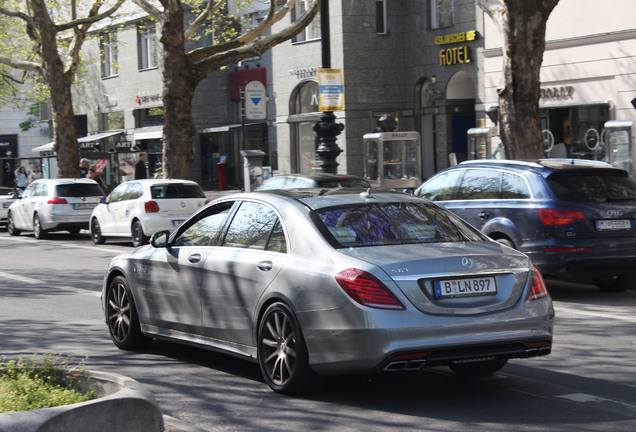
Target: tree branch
[203, 16]
[92, 17]
[21, 64]
[150, 9]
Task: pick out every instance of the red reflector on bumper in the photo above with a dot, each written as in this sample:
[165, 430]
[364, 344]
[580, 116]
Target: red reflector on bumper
[574, 249]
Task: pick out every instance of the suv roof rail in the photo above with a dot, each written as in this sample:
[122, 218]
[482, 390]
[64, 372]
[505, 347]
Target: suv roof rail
[571, 161]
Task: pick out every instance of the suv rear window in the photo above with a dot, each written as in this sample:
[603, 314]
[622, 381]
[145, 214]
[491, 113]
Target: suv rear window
[78, 190]
[176, 191]
[391, 224]
[590, 186]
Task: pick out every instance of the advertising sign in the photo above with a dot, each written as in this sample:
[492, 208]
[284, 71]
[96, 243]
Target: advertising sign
[255, 101]
[331, 90]
[100, 165]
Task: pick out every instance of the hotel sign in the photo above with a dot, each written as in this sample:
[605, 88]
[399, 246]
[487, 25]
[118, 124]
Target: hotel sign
[455, 55]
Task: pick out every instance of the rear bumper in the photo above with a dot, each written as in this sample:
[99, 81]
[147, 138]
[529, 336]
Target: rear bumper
[585, 263]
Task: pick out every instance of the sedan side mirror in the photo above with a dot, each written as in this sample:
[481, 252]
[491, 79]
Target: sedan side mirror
[160, 239]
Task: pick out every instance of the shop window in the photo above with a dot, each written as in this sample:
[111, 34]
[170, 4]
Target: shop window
[441, 13]
[380, 17]
[304, 101]
[108, 45]
[312, 31]
[147, 46]
[145, 117]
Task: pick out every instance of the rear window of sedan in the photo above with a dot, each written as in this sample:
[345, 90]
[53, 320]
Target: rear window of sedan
[78, 190]
[176, 191]
[592, 186]
[344, 182]
[384, 224]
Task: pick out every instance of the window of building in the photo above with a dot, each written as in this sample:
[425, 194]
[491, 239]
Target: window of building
[312, 31]
[111, 120]
[145, 117]
[380, 17]
[108, 42]
[148, 46]
[304, 101]
[441, 13]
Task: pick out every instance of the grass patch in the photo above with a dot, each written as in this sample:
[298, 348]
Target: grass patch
[33, 383]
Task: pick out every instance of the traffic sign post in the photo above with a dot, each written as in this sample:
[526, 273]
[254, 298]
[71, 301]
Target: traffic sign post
[255, 101]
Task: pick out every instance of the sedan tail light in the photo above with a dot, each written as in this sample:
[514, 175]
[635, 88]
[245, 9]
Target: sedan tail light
[559, 217]
[57, 200]
[151, 207]
[538, 290]
[367, 290]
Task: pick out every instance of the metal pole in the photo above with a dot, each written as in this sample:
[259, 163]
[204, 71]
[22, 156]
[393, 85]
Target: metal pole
[327, 129]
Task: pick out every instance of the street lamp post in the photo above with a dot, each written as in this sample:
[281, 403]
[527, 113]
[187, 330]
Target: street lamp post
[327, 129]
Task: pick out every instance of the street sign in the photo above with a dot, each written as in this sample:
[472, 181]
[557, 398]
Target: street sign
[100, 165]
[331, 90]
[255, 101]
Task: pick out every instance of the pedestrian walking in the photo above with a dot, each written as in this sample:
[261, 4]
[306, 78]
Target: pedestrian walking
[140, 167]
[84, 168]
[21, 178]
[94, 175]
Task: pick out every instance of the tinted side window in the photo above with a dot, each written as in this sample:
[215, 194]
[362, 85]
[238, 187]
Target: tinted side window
[480, 184]
[118, 194]
[176, 191]
[251, 227]
[134, 191]
[204, 231]
[441, 187]
[514, 186]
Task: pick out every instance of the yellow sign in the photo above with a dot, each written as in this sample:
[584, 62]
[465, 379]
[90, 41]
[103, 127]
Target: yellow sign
[451, 56]
[331, 97]
[456, 37]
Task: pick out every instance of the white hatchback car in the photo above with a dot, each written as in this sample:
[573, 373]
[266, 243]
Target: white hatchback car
[140, 208]
[62, 204]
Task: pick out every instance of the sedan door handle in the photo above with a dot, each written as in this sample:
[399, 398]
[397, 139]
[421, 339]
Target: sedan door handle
[194, 258]
[264, 265]
[483, 215]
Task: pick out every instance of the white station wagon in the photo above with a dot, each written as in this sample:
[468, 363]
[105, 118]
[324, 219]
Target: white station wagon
[139, 208]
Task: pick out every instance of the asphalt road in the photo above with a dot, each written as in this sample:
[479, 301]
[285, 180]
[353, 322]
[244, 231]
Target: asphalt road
[49, 303]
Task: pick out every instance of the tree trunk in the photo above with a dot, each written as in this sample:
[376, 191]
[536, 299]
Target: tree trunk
[523, 26]
[61, 102]
[179, 84]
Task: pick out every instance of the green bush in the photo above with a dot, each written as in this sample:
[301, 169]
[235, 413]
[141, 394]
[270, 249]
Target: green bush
[44, 382]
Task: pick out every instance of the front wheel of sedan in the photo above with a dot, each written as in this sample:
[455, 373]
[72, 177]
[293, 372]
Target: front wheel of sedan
[282, 354]
[138, 236]
[38, 231]
[96, 232]
[480, 368]
[122, 318]
[11, 225]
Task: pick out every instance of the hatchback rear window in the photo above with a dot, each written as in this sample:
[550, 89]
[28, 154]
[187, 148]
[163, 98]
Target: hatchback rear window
[589, 186]
[78, 190]
[391, 224]
[176, 191]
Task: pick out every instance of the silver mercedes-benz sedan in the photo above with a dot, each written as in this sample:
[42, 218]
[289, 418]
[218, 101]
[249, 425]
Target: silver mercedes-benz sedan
[312, 282]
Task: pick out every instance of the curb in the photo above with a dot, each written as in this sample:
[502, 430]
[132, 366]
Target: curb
[122, 404]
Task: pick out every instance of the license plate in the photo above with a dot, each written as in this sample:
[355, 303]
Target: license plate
[465, 287]
[176, 223]
[83, 206]
[613, 224]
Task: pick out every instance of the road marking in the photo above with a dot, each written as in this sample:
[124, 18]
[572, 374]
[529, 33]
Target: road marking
[614, 315]
[587, 398]
[20, 278]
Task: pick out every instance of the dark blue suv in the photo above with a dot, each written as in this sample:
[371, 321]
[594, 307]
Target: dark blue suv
[571, 217]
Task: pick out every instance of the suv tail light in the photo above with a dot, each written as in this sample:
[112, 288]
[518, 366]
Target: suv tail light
[367, 290]
[538, 290]
[151, 207]
[559, 217]
[57, 200]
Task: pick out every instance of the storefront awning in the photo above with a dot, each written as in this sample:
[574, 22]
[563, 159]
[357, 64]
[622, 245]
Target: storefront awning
[228, 127]
[98, 136]
[155, 132]
[44, 147]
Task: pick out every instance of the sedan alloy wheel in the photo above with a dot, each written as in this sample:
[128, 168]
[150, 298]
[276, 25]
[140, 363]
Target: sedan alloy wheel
[96, 232]
[121, 316]
[38, 231]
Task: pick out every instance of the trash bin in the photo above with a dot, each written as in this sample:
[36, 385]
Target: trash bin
[252, 169]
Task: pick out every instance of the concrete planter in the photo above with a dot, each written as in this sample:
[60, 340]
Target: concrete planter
[122, 404]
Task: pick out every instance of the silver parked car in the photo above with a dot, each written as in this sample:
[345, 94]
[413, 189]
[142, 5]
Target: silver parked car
[316, 282]
[61, 204]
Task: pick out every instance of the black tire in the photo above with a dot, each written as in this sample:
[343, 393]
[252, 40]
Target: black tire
[616, 283]
[13, 231]
[138, 236]
[506, 242]
[282, 354]
[122, 318]
[38, 232]
[96, 232]
[477, 369]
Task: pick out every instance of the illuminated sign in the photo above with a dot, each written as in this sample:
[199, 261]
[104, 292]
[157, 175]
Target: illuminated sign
[456, 37]
[455, 55]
